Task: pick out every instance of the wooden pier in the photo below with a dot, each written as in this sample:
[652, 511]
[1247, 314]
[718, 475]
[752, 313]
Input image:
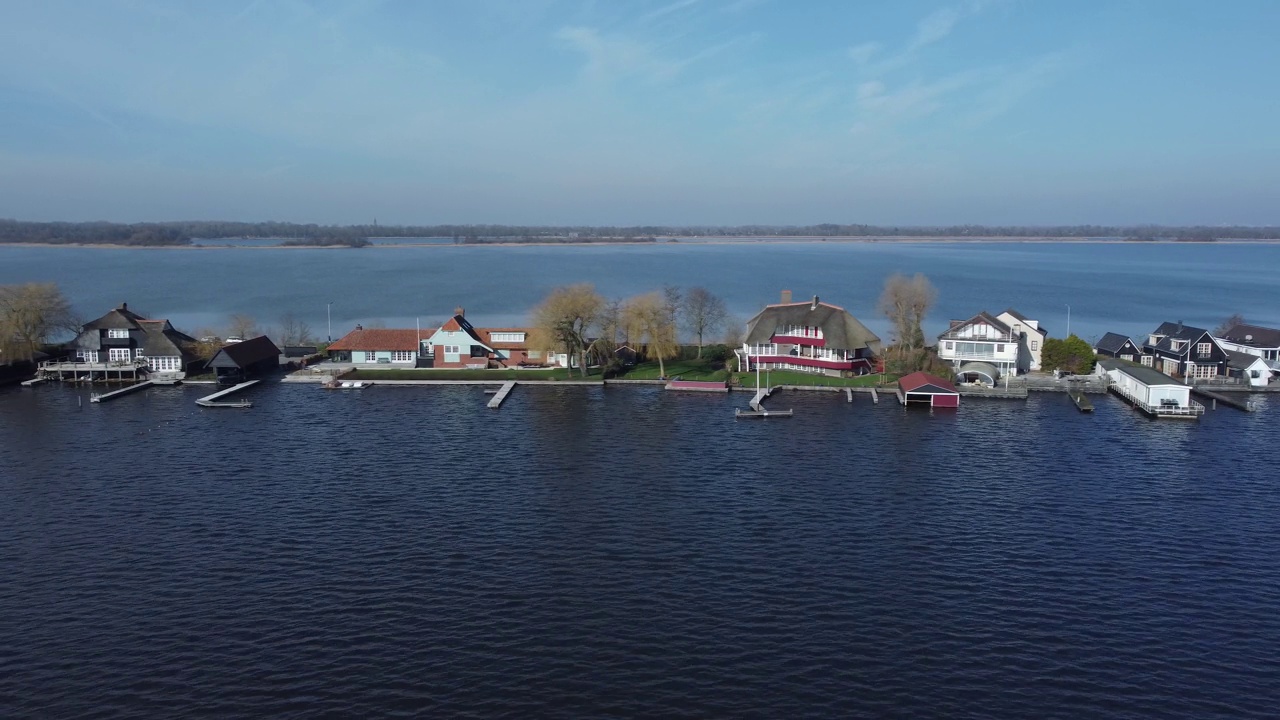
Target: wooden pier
[211, 401]
[698, 385]
[1216, 398]
[875, 397]
[761, 394]
[117, 393]
[1083, 404]
[502, 393]
[32, 381]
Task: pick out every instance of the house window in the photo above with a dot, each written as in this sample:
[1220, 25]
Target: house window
[507, 337]
[1203, 349]
[1127, 357]
[402, 356]
[118, 334]
[1035, 345]
[1204, 371]
[999, 348]
[950, 346]
[1177, 345]
[1146, 360]
[119, 354]
[452, 349]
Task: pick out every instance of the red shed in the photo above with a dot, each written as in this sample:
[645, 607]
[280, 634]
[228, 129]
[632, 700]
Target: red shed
[923, 388]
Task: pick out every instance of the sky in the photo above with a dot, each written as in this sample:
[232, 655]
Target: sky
[719, 112]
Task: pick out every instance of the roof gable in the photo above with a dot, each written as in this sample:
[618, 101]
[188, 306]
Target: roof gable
[244, 354]
[924, 382]
[1114, 342]
[982, 318]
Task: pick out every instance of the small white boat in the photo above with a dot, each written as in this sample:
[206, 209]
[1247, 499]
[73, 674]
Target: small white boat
[354, 384]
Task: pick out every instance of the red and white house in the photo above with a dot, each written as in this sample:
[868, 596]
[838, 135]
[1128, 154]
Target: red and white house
[810, 336]
[924, 389]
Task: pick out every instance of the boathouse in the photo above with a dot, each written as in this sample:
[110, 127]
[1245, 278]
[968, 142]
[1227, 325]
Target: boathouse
[238, 362]
[1150, 390]
[810, 336]
[921, 388]
[399, 348]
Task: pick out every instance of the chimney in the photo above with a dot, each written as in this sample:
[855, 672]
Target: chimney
[814, 304]
[460, 311]
[124, 306]
[786, 297]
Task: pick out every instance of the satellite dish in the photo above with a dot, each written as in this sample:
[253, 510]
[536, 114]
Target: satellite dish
[1248, 338]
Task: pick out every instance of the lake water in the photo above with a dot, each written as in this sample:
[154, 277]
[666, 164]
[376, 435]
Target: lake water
[625, 552]
[1123, 287]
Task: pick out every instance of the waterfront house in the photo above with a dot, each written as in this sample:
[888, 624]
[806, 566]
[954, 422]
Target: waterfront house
[1251, 369]
[245, 360]
[459, 344]
[921, 388]
[1184, 351]
[1115, 345]
[1254, 340]
[810, 336]
[1149, 390]
[986, 346]
[123, 341]
[397, 348]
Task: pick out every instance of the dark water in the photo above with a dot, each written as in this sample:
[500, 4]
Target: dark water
[1122, 287]
[626, 552]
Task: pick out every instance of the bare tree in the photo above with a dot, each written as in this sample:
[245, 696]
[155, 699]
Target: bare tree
[734, 331]
[1234, 320]
[905, 301]
[673, 304]
[704, 313]
[648, 319]
[294, 330]
[30, 315]
[564, 318]
[243, 327]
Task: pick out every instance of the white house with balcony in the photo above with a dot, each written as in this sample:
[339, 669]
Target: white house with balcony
[986, 347]
[1263, 342]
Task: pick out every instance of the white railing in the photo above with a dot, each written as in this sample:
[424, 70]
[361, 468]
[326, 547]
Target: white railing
[1191, 409]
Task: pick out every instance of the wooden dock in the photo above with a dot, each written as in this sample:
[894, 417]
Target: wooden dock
[502, 393]
[1083, 404]
[117, 393]
[761, 413]
[211, 401]
[1216, 398]
[698, 385]
[875, 397]
[761, 394]
[848, 393]
[32, 381]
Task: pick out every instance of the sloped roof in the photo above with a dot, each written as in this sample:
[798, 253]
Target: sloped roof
[840, 329]
[1035, 328]
[1146, 375]
[925, 383]
[120, 318]
[1178, 331]
[164, 341]
[458, 323]
[984, 317]
[243, 354]
[1259, 336]
[1015, 313]
[1112, 342]
[1243, 360]
[381, 339]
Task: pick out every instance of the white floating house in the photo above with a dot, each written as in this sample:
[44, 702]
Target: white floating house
[1150, 390]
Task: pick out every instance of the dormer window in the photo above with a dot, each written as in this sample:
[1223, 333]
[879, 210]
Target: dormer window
[118, 334]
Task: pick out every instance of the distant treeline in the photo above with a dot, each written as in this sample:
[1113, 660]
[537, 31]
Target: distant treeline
[181, 233]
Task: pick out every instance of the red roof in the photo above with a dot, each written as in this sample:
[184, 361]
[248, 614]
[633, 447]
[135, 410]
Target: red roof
[402, 340]
[925, 383]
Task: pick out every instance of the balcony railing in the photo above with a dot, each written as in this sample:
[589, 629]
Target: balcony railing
[949, 335]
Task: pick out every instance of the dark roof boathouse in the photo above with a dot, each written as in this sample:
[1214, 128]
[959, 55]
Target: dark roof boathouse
[246, 360]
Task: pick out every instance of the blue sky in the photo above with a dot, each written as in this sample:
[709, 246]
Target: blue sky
[612, 112]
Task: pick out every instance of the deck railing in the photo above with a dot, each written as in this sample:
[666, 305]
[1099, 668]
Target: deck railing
[1191, 409]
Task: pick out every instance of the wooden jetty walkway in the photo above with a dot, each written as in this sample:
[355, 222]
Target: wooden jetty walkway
[503, 392]
[1083, 404]
[698, 385]
[1216, 398]
[212, 400]
[117, 393]
[761, 394]
[32, 381]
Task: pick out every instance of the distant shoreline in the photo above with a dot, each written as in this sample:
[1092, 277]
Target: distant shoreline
[763, 240]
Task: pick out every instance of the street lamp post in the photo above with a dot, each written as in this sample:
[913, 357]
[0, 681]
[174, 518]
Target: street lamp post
[328, 314]
[1068, 321]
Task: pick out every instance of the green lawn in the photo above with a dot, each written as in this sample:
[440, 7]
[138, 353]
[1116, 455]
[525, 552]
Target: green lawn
[704, 370]
[463, 374]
